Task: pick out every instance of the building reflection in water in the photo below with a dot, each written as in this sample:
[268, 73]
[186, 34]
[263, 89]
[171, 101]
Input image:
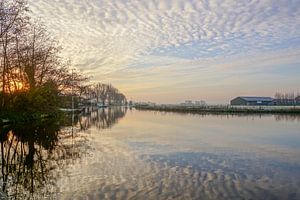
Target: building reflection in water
[33, 156]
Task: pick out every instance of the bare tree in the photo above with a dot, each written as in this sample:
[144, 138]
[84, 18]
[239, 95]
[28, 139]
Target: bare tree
[101, 92]
[11, 19]
[285, 98]
[106, 94]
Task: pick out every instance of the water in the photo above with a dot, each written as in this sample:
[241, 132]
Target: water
[129, 154]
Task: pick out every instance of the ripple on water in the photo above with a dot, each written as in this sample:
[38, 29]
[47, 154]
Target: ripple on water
[113, 172]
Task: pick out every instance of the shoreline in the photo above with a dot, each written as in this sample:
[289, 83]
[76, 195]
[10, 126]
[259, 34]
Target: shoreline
[19, 118]
[222, 109]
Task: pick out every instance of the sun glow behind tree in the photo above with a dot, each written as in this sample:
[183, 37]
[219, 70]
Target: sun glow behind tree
[32, 70]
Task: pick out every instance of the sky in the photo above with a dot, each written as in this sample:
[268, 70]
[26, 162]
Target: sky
[168, 51]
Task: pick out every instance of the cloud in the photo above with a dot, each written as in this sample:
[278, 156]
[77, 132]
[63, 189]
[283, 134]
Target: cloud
[106, 37]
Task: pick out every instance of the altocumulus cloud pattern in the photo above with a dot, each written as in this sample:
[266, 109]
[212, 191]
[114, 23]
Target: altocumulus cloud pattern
[158, 40]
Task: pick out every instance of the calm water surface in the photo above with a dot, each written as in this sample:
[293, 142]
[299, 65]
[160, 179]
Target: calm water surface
[129, 154]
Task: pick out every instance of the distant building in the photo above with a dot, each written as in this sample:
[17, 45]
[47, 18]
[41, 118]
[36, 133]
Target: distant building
[200, 103]
[191, 103]
[188, 102]
[252, 101]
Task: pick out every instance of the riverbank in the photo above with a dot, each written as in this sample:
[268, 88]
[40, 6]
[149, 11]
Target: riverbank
[223, 109]
[15, 118]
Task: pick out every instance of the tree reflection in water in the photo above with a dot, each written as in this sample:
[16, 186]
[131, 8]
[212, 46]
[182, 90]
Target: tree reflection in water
[100, 118]
[34, 156]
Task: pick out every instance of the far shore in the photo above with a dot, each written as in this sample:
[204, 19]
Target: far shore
[223, 109]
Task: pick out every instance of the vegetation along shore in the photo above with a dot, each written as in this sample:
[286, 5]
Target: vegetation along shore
[222, 109]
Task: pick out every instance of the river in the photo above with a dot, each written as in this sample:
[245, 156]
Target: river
[124, 153]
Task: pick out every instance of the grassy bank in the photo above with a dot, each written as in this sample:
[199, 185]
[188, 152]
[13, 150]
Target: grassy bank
[222, 109]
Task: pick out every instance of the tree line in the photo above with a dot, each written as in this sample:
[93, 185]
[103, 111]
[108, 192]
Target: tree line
[104, 94]
[286, 98]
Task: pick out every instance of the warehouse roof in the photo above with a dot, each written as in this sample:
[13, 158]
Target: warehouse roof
[257, 98]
